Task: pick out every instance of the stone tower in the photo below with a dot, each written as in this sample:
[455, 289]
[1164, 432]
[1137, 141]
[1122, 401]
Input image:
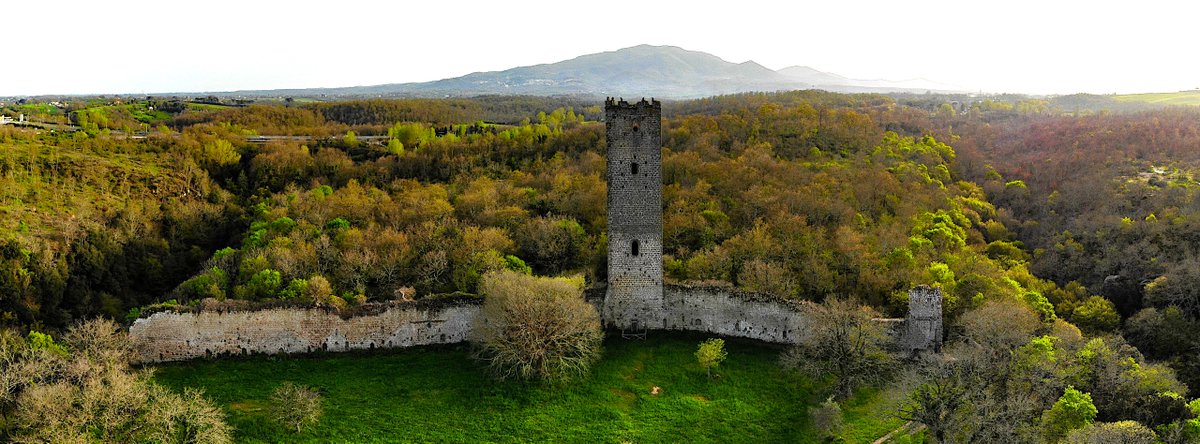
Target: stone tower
[923, 327]
[635, 272]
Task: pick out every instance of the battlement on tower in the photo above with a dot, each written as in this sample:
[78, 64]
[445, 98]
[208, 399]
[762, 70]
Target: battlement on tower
[612, 102]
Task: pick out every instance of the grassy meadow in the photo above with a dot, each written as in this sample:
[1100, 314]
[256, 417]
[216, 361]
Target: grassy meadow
[439, 394]
[1181, 98]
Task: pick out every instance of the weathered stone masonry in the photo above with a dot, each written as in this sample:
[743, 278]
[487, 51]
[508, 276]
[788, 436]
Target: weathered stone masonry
[170, 336]
[635, 270]
[728, 311]
[923, 327]
[725, 311]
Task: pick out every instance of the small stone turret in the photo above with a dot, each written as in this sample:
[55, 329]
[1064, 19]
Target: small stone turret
[635, 272]
[923, 327]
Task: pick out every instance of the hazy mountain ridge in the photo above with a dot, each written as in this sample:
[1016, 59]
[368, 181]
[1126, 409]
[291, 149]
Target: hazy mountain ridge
[660, 71]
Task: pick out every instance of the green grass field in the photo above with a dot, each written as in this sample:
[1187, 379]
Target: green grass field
[1182, 98]
[438, 394]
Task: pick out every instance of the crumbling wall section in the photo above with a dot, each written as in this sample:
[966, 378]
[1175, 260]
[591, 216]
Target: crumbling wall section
[720, 310]
[728, 311]
[170, 336]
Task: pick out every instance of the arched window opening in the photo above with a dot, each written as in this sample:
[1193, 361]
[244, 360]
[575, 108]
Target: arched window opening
[635, 247]
[633, 167]
[635, 127]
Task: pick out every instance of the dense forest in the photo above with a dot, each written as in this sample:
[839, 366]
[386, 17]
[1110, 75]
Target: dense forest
[802, 195]
[1080, 217]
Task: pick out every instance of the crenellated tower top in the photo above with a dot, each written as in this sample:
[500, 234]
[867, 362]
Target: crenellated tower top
[613, 102]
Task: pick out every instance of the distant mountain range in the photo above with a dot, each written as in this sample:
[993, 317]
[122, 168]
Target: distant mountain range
[652, 71]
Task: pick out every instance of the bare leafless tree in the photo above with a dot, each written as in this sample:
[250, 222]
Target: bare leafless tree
[843, 341]
[536, 328]
[296, 406]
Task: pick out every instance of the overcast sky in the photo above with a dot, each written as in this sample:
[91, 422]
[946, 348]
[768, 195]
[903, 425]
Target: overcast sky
[1041, 47]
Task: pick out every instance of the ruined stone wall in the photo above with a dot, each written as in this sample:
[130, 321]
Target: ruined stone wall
[724, 311]
[730, 312]
[635, 272]
[170, 336]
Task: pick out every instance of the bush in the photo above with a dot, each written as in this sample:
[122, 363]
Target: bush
[536, 328]
[1124, 432]
[710, 354]
[516, 264]
[827, 418]
[297, 289]
[1096, 315]
[84, 391]
[295, 406]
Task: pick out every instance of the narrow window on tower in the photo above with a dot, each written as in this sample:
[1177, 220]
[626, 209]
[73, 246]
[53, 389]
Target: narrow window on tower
[633, 168]
[635, 127]
[635, 246]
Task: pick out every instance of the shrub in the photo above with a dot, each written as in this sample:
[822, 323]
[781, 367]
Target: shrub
[210, 284]
[536, 328]
[710, 354]
[1125, 432]
[827, 418]
[516, 264]
[297, 289]
[84, 391]
[318, 290]
[337, 224]
[295, 406]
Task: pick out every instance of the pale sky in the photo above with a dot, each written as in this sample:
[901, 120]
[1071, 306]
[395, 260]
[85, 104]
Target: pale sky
[143, 47]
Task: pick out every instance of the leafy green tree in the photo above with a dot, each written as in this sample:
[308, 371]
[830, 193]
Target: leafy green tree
[296, 289]
[1072, 411]
[217, 154]
[44, 342]
[1096, 315]
[395, 147]
[1040, 305]
[210, 284]
[263, 285]
[516, 264]
[1124, 386]
[710, 354]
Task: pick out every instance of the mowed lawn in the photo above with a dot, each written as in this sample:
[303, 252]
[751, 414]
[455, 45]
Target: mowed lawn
[439, 394]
